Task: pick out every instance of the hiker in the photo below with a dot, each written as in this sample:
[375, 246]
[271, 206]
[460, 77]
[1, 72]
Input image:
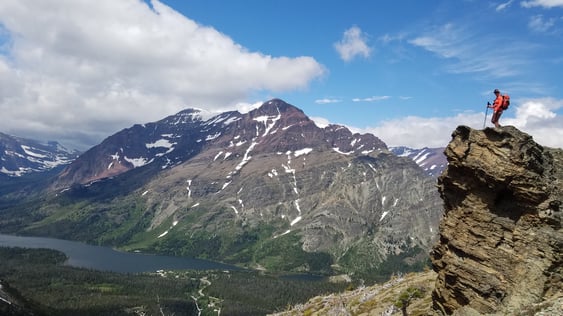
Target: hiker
[497, 107]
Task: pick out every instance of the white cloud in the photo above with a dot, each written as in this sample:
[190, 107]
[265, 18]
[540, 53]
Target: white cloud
[418, 132]
[320, 121]
[372, 99]
[465, 50]
[353, 44]
[244, 107]
[327, 101]
[79, 70]
[536, 117]
[504, 6]
[539, 24]
[542, 3]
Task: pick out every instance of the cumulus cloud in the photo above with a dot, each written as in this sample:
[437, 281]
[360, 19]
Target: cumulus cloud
[353, 44]
[537, 117]
[79, 70]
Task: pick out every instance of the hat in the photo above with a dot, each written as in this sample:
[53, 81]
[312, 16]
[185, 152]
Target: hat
[496, 91]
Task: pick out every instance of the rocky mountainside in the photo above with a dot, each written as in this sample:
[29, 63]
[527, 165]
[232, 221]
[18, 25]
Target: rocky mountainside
[499, 247]
[340, 193]
[266, 189]
[19, 156]
[165, 143]
[501, 241]
[432, 160]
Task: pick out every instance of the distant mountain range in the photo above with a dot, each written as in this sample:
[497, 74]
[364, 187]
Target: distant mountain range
[19, 156]
[432, 160]
[267, 189]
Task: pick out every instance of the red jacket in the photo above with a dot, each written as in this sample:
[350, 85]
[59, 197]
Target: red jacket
[497, 104]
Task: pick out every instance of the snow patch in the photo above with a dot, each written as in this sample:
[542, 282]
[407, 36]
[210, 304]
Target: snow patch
[189, 182]
[226, 184]
[29, 152]
[164, 143]
[265, 119]
[341, 152]
[284, 233]
[419, 159]
[138, 162]
[17, 173]
[303, 151]
[212, 137]
[273, 173]
[246, 157]
[231, 120]
[297, 206]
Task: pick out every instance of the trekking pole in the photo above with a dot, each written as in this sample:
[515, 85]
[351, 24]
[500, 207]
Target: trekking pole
[486, 111]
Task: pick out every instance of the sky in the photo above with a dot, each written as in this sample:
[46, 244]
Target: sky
[407, 71]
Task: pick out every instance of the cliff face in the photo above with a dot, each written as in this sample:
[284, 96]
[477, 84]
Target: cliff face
[500, 243]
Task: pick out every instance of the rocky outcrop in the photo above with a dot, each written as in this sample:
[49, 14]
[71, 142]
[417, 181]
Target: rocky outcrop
[500, 244]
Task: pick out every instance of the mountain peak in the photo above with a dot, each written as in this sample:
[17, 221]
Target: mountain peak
[276, 126]
[275, 107]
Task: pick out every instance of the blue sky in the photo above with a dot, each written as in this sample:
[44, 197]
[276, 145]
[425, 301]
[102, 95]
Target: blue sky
[409, 72]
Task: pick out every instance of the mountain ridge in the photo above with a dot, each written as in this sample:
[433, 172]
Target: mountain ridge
[19, 156]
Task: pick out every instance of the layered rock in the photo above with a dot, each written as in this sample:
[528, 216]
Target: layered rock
[500, 243]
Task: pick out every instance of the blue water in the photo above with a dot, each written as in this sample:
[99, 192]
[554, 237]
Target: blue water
[107, 259]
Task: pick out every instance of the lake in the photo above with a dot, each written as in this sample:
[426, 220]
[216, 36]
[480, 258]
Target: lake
[107, 259]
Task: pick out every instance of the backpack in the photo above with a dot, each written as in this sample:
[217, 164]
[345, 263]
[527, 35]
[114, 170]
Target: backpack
[505, 101]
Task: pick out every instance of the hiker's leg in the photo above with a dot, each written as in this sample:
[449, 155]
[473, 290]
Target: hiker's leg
[494, 118]
[498, 118]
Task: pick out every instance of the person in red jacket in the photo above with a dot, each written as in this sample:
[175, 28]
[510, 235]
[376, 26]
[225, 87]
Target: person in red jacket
[497, 108]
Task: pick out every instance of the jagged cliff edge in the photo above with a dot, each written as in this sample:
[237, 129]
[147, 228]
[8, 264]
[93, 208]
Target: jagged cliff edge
[500, 241]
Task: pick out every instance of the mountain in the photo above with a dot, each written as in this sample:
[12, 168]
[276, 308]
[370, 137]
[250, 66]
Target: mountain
[165, 143]
[499, 246]
[19, 156]
[432, 160]
[266, 189]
